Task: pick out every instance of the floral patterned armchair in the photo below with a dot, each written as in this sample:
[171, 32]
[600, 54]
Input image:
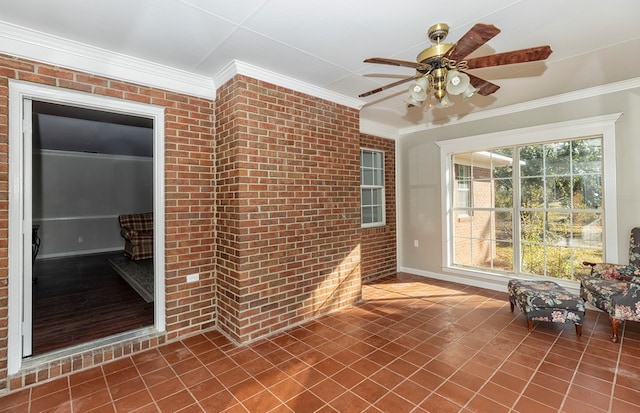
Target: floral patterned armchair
[615, 288]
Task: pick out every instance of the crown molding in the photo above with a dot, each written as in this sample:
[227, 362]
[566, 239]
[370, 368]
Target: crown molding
[237, 67]
[534, 104]
[33, 45]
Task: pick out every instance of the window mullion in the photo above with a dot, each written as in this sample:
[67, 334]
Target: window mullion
[516, 211]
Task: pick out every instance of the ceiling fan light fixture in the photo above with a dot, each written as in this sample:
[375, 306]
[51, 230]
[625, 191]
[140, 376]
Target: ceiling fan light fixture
[469, 91]
[418, 90]
[457, 82]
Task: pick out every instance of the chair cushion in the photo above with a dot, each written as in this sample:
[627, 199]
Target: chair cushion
[621, 299]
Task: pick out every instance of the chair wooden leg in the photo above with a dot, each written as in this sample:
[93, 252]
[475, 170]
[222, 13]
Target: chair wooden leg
[530, 325]
[615, 323]
[579, 330]
[511, 304]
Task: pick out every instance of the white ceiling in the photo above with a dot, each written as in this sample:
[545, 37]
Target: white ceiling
[323, 44]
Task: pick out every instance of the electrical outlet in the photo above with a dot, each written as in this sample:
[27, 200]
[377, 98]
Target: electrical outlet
[416, 243]
[193, 277]
[80, 240]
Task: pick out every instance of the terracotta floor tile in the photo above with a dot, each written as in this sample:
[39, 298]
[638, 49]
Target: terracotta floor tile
[61, 384]
[60, 400]
[88, 387]
[166, 388]
[498, 394]
[15, 401]
[391, 402]
[133, 401]
[305, 402]
[262, 402]
[589, 397]
[369, 390]
[510, 382]
[454, 392]
[126, 388]
[107, 408]
[435, 403]
[348, 377]
[526, 405]
[92, 401]
[413, 344]
[327, 390]
[158, 376]
[175, 401]
[349, 402]
[543, 395]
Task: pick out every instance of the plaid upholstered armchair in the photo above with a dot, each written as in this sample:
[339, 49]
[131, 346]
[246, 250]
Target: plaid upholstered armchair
[615, 288]
[137, 231]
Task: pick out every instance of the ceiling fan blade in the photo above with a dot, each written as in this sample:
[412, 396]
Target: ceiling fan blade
[517, 56]
[395, 62]
[483, 87]
[390, 85]
[471, 40]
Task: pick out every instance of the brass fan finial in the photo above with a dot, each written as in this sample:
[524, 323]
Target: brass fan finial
[438, 32]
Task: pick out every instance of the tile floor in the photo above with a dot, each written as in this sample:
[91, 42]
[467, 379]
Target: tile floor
[412, 345]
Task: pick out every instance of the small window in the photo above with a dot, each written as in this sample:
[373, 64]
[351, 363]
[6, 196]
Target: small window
[372, 188]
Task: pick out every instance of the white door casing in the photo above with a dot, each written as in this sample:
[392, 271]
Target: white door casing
[19, 247]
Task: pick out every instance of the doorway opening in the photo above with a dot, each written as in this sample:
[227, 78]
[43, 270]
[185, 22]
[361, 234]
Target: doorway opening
[88, 168]
[79, 162]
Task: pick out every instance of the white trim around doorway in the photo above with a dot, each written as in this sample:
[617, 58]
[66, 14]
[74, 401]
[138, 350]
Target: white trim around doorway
[18, 92]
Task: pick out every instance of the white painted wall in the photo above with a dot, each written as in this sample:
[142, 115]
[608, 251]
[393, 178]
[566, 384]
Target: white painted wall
[77, 198]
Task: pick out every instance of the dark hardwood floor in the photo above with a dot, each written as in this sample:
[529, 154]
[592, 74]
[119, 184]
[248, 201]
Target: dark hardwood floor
[79, 299]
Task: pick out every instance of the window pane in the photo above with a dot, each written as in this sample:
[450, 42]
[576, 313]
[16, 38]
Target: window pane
[463, 227]
[532, 226]
[587, 192]
[531, 163]
[504, 256]
[482, 224]
[559, 262]
[503, 192]
[587, 156]
[558, 228]
[558, 192]
[377, 160]
[532, 192]
[367, 196]
[367, 177]
[533, 261]
[367, 158]
[376, 212]
[482, 193]
[462, 251]
[557, 158]
[587, 230]
[379, 177]
[367, 215]
[504, 225]
[482, 253]
[377, 196]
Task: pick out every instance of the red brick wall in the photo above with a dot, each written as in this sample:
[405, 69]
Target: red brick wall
[289, 207]
[379, 250]
[189, 195]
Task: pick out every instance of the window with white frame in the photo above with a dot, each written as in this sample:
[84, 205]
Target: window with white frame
[536, 206]
[372, 187]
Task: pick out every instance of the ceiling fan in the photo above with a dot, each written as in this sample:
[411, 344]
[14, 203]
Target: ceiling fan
[441, 68]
